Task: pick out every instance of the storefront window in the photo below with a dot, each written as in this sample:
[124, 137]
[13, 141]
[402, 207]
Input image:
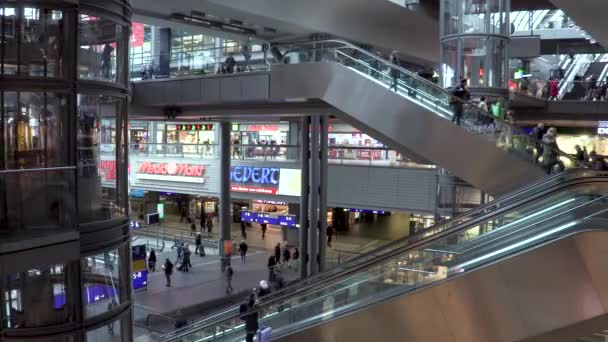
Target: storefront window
[35, 129]
[101, 49]
[35, 298]
[97, 166]
[104, 286]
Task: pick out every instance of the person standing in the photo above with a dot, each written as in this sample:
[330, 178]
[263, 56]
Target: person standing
[537, 134]
[229, 274]
[168, 267]
[459, 95]
[243, 230]
[277, 253]
[180, 253]
[550, 149]
[553, 89]
[272, 263]
[251, 323]
[264, 227]
[152, 261]
[202, 222]
[394, 72]
[246, 52]
[286, 256]
[243, 251]
[192, 228]
[198, 242]
[209, 224]
[580, 154]
[296, 255]
[330, 234]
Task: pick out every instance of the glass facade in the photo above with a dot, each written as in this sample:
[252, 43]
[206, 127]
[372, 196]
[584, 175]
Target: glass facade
[63, 124]
[474, 42]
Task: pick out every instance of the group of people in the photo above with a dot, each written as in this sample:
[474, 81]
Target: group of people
[285, 255]
[167, 267]
[548, 150]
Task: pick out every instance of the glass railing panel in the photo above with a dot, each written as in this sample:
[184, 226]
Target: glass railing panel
[420, 266]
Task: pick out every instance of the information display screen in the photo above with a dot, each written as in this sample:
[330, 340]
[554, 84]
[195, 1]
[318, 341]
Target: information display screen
[139, 270]
[277, 220]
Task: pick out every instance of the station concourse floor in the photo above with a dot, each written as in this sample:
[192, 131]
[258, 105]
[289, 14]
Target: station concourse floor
[206, 283]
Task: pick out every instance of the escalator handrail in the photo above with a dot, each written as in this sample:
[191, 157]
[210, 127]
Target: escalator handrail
[428, 83]
[598, 177]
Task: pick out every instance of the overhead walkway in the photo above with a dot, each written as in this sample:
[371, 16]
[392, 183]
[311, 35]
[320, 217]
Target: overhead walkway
[415, 119]
[520, 268]
[588, 14]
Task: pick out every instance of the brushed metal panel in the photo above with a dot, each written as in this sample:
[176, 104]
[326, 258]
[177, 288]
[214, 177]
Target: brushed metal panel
[528, 295]
[210, 90]
[190, 91]
[595, 258]
[230, 89]
[481, 297]
[255, 87]
[172, 91]
[551, 298]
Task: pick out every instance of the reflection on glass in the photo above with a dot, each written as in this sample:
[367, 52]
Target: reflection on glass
[41, 42]
[97, 166]
[35, 129]
[102, 288]
[35, 298]
[110, 333]
[101, 49]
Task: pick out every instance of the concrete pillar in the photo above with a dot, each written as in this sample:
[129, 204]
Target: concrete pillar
[304, 167]
[225, 202]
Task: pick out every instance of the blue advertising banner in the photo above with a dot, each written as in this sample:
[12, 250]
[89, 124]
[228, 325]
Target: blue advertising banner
[139, 270]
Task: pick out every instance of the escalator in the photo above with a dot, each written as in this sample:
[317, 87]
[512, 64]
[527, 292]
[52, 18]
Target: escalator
[415, 119]
[562, 210]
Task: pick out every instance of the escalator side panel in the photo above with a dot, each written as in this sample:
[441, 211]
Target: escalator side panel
[405, 124]
[529, 294]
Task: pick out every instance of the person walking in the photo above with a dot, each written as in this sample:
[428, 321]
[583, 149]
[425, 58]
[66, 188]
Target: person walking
[264, 227]
[186, 259]
[202, 223]
[277, 252]
[180, 253]
[198, 242]
[152, 261]
[243, 251]
[394, 72]
[459, 95]
[286, 256]
[553, 89]
[272, 263]
[229, 274]
[296, 255]
[168, 267]
[243, 230]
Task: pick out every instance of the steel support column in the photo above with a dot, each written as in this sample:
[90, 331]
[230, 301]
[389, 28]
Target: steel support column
[323, 193]
[313, 230]
[225, 201]
[304, 159]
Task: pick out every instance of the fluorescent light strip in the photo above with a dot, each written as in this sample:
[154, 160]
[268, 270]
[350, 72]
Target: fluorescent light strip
[440, 251]
[523, 219]
[519, 244]
[413, 270]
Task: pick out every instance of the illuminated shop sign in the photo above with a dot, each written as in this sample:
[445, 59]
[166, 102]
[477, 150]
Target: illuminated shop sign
[180, 172]
[107, 170]
[196, 127]
[255, 175]
[270, 202]
[367, 211]
[602, 128]
[265, 180]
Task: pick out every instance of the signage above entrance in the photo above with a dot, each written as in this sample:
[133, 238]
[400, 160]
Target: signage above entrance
[180, 172]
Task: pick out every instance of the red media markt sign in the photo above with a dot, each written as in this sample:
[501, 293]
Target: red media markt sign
[172, 169]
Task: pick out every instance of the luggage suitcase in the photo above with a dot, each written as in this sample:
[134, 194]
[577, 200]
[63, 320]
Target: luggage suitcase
[264, 334]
